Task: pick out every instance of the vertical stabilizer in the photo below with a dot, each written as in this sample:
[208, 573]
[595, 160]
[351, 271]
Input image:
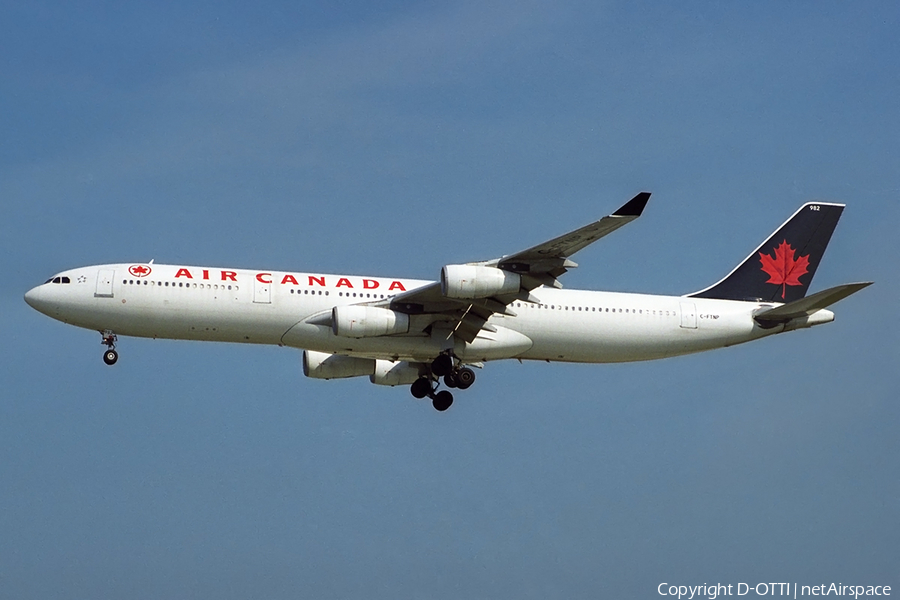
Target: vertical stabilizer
[782, 268]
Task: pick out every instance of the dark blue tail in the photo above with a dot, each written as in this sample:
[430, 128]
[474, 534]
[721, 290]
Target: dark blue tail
[782, 268]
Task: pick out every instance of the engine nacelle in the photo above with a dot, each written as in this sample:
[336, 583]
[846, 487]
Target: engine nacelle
[367, 321]
[474, 281]
[396, 373]
[321, 365]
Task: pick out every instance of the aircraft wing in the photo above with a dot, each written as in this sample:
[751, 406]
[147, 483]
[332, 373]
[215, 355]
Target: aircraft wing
[545, 262]
[536, 266]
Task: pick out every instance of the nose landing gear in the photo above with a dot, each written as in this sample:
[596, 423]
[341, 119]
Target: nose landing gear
[454, 375]
[109, 340]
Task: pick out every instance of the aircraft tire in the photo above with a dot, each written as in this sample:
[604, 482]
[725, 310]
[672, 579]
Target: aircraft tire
[110, 357]
[442, 400]
[442, 365]
[451, 380]
[465, 378]
[421, 387]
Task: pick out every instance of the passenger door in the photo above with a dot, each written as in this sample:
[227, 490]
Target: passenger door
[262, 292]
[688, 315]
[105, 278]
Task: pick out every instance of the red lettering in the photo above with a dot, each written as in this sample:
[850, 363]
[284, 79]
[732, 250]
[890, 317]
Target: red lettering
[370, 284]
[183, 273]
[319, 280]
[344, 282]
[259, 277]
[226, 275]
[396, 285]
[205, 273]
[289, 279]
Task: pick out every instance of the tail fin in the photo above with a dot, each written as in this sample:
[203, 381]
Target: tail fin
[782, 268]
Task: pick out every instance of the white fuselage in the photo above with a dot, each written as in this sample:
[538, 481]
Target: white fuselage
[291, 309]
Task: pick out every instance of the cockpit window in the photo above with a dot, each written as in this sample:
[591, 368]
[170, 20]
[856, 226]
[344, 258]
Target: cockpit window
[59, 280]
[56, 280]
[49, 280]
[66, 280]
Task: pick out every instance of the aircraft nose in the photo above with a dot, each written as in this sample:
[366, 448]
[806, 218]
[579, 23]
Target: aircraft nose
[34, 298]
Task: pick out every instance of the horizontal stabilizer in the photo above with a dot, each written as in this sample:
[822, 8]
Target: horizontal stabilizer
[808, 305]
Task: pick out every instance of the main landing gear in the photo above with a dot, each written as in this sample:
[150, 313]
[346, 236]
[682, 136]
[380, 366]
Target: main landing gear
[109, 340]
[425, 386]
[455, 376]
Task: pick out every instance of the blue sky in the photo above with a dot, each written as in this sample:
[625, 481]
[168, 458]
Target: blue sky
[391, 140]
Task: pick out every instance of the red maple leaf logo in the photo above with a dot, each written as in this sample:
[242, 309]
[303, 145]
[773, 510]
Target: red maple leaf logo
[139, 270]
[782, 268]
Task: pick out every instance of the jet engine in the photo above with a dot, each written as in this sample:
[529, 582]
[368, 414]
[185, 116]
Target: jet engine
[321, 365]
[396, 373]
[474, 281]
[367, 321]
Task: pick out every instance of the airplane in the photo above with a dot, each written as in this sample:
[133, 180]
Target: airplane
[419, 333]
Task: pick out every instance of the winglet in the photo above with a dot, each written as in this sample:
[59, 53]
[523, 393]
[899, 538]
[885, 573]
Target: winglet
[634, 207]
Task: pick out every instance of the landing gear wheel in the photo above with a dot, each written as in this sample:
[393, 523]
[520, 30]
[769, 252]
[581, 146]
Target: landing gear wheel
[442, 400]
[109, 340]
[442, 365]
[451, 380]
[110, 357]
[421, 387]
[465, 378]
